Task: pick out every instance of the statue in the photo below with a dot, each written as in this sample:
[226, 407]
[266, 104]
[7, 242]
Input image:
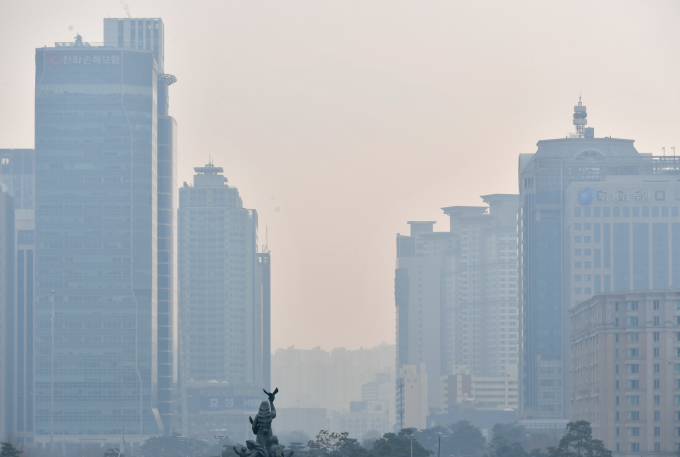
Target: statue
[266, 444]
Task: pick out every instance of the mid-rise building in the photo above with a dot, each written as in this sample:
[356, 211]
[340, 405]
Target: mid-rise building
[223, 293]
[104, 234]
[456, 294]
[625, 370]
[595, 215]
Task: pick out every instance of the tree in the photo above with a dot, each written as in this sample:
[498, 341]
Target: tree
[173, 446]
[579, 442]
[336, 444]
[465, 440]
[429, 437]
[8, 450]
[112, 453]
[508, 434]
[391, 445]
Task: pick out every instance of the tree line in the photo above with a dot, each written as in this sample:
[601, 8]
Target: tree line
[461, 439]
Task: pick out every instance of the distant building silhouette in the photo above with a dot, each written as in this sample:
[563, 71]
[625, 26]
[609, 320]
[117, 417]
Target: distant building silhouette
[456, 295]
[225, 305]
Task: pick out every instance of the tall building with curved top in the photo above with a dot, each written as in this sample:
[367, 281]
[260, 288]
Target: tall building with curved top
[595, 216]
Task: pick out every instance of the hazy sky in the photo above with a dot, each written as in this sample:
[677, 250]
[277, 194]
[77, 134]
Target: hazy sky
[341, 120]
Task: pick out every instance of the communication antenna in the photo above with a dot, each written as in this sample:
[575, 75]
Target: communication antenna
[580, 118]
[663, 148]
[673, 148]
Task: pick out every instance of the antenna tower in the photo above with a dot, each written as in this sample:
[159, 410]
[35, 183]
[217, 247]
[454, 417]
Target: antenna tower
[580, 118]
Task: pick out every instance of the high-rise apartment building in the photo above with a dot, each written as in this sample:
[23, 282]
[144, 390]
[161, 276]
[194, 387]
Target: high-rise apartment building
[625, 375]
[222, 296]
[104, 234]
[595, 215]
[456, 293]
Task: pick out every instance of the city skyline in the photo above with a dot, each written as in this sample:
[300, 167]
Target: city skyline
[449, 139]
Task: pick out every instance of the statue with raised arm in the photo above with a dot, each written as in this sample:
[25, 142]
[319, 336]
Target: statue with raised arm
[266, 444]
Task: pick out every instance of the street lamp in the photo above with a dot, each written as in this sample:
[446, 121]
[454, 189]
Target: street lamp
[439, 448]
[412, 436]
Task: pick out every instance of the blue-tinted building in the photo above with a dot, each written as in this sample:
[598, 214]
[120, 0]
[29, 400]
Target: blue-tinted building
[17, 178]
[589, 222]
[105, 239]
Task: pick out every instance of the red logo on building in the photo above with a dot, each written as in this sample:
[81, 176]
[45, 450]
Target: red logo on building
[54, 59]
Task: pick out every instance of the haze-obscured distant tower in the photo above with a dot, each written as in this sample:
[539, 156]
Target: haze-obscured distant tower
[225, 304]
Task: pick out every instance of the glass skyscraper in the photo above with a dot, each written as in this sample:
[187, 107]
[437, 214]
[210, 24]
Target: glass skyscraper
[595, 216]
[105, 237]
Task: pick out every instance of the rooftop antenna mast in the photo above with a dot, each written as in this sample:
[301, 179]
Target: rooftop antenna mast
[580, 118]
[663, 148]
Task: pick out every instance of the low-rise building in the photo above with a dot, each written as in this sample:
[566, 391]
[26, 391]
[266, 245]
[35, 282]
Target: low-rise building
[481, 392]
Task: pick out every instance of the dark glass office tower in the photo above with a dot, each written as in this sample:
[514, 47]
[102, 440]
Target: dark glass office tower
[148, 34]
[96, 228]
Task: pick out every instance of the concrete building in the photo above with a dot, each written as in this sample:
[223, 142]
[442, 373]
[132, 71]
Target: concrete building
[592, 217]
[456, 294]
[412, 397]
[105, 185]
[222, 294]
[333, 379]
[461, 389]
[9, 324]
[625, 370]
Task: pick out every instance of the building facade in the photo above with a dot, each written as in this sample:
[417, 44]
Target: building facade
[589, 221]
[222, 295]
[9, 325]
[17, 178]
[463, 390]
[456, 294]
[625, 369]
[100, 219]
[148, 34]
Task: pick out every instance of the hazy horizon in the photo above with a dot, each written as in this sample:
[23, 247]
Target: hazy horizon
[340, 122]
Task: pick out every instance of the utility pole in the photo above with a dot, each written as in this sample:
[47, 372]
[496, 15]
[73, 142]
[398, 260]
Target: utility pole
[439, 448]
[52, 381]
[412, 436]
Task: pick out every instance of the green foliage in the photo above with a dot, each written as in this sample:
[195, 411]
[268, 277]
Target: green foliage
[508, 434]
[8, 450]
[391, 445]
[579, 442]
[465, 440]
[112, 453]
[173, 446]
[429, 437]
